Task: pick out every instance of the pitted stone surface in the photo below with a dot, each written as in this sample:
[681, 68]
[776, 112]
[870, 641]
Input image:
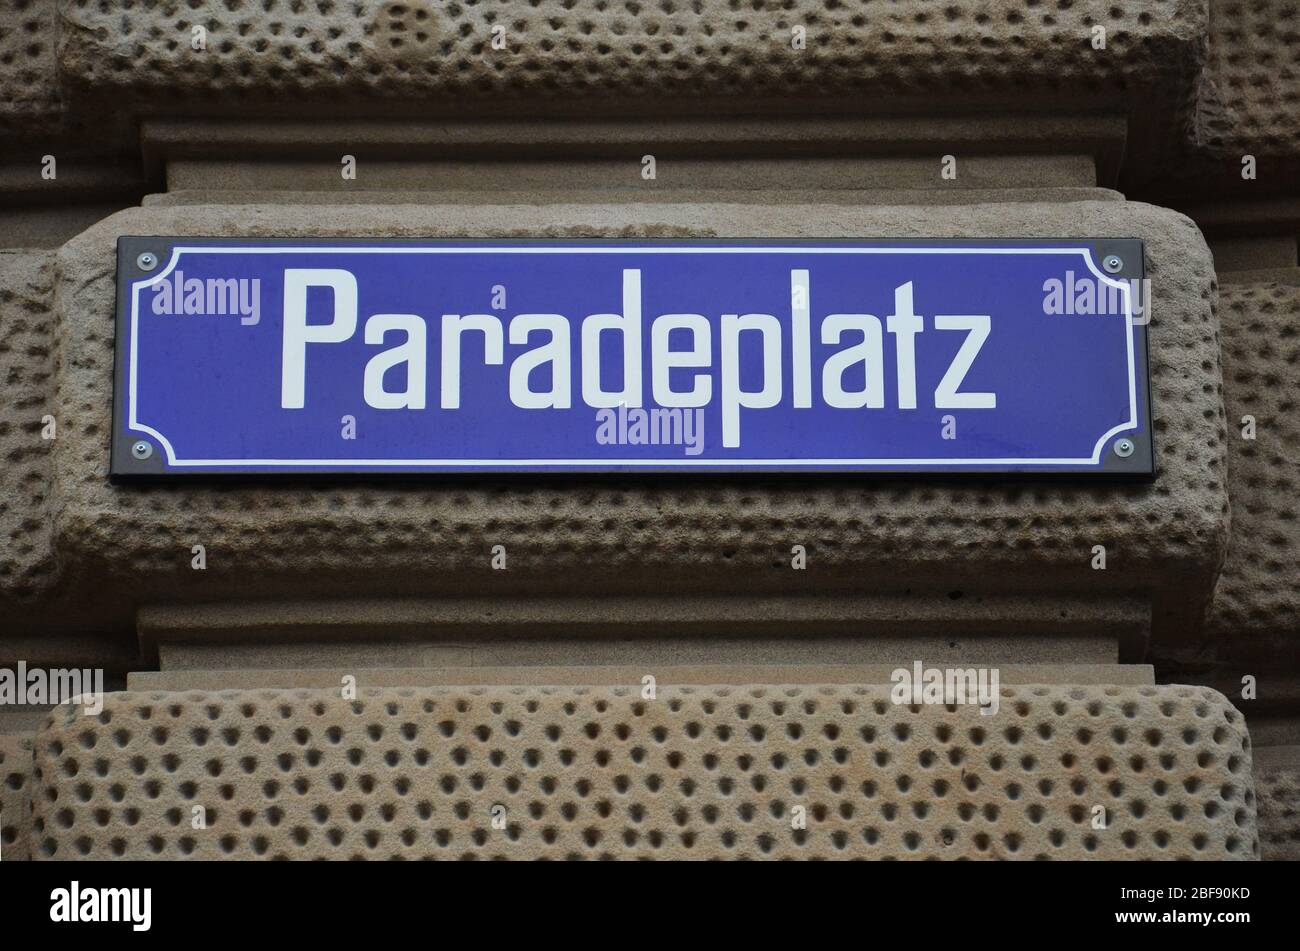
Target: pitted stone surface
[26, 396]
[15, 797]
[466, 51]
[1257, 604]
[1278, 789]
[619, 535]
[600, 772]
[1250, 96]
[29, 95]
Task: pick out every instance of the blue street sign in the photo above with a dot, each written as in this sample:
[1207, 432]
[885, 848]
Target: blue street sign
[399, 356]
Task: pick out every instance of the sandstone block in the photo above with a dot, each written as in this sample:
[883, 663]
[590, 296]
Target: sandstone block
[759, 771]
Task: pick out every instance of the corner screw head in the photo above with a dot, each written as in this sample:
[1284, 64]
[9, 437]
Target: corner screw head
[147, 261]
[1113, 263]
[1124, 448]
[142, 450]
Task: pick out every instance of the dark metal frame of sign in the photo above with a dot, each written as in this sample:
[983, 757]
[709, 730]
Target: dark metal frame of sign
[1127, 453]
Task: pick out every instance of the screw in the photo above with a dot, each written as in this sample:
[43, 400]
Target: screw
[1113, 263]
[1124, 448]
[147, 261]
[142, 450]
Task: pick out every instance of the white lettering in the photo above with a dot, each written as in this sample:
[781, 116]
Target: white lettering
[298, 333]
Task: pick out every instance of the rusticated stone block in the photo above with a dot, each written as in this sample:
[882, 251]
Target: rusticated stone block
[760, 771]
[26, 396]
[1250, 95]
[1164, 538]
[15, 797]
[29, 95]
[1278, 789]
[1257, 605]
[1247, 103]
[458, 54]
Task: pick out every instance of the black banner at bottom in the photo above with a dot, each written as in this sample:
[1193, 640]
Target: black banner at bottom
[306, 900]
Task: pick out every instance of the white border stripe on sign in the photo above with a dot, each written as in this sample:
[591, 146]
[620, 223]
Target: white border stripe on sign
[630, 464]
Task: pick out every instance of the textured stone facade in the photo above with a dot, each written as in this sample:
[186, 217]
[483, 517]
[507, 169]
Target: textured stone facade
[707, 772]
[1278, 789]
[1174, 121]
[1256, 599]
[16, 797]
[697, 49]
[27, 372]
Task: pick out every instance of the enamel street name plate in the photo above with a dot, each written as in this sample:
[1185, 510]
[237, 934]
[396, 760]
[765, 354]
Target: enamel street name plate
[418, 356]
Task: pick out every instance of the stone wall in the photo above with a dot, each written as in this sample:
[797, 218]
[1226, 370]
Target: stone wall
[1173, 121]
[707, 772]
